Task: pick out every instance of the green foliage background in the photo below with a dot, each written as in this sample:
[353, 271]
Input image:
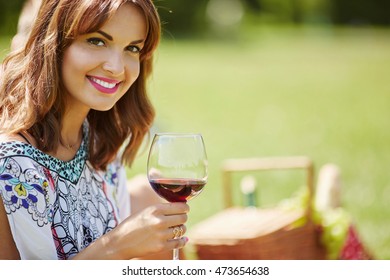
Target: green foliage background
[187, 19]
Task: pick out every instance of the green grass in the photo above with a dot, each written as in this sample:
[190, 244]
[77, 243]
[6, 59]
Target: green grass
[323, 93]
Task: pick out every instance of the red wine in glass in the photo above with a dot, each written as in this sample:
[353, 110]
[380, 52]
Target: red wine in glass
[177, 190]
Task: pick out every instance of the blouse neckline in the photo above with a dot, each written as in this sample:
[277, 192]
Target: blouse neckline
[70, 170]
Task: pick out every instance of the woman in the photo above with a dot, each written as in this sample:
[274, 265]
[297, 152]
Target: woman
[68, 102]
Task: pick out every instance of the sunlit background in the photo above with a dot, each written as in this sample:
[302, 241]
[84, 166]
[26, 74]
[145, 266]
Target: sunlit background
[277, 78]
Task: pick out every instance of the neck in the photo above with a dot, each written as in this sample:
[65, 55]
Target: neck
[72, 130]
[71, 143]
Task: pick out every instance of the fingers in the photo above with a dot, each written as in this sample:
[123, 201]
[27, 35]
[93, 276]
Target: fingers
[169, 214]
[176, 231]
[173, 208]
[166, 222]
[177, 243]
[171, 221]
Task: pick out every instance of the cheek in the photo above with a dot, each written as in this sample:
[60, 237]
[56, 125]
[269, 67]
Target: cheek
[75, 64]
[133, 70]
[70, 68]
[66, 71]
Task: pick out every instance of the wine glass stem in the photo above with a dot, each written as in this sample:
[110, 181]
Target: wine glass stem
[176, 254]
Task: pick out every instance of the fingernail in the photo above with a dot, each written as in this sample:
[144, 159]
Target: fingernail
[186, 239]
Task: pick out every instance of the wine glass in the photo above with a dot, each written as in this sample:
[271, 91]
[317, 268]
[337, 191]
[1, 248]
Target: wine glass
[177, 167]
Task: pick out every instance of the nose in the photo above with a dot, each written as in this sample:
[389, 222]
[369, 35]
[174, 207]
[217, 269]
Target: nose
[114, 64]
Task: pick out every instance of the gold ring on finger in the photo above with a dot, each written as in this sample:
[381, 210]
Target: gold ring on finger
[177, 231]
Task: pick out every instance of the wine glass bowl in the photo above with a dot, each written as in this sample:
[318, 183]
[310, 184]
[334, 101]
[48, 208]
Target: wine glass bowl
[177, 167]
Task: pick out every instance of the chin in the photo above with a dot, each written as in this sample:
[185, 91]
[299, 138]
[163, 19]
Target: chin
[103, 108]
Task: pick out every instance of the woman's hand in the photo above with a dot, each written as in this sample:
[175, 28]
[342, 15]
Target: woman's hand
[147, 232]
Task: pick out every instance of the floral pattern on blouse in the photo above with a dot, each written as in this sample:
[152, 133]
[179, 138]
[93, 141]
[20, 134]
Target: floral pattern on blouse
[69, 201]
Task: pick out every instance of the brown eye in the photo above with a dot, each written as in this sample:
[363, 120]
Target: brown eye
[134, 49]
[96, 41]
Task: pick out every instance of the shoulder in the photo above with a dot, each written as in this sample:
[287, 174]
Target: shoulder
[23, 137]
[13, 145]
[9, 138]
[16, 157]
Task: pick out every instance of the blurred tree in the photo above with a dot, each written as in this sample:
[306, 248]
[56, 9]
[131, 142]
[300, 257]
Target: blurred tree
[253, 5]
[284, 10]
[296, 11]
[224, 18]
[9, 13]
[188, 18]
[374, 12]
[182, 18]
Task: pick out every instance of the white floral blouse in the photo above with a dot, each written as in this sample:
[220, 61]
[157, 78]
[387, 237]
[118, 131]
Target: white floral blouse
[56, 209]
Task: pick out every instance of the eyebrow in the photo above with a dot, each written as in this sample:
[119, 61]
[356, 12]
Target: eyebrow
[109, 37]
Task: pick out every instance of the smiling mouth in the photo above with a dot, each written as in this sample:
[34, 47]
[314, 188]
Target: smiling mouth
[103, 83]
[105, 86]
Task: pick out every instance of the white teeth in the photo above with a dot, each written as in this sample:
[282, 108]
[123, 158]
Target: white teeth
[103, 83]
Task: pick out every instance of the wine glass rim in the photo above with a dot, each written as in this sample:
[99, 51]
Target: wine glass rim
[177, 134]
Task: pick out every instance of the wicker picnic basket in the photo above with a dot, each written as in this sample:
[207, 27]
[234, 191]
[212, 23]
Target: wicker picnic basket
[259, 233]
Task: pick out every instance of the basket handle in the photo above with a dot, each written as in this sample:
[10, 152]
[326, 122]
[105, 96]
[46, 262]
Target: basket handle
[257, 164]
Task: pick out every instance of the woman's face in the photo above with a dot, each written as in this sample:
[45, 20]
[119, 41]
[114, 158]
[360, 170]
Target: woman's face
[98, 68]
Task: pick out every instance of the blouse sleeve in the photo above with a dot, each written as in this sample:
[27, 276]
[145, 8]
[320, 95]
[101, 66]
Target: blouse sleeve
[27, 199]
